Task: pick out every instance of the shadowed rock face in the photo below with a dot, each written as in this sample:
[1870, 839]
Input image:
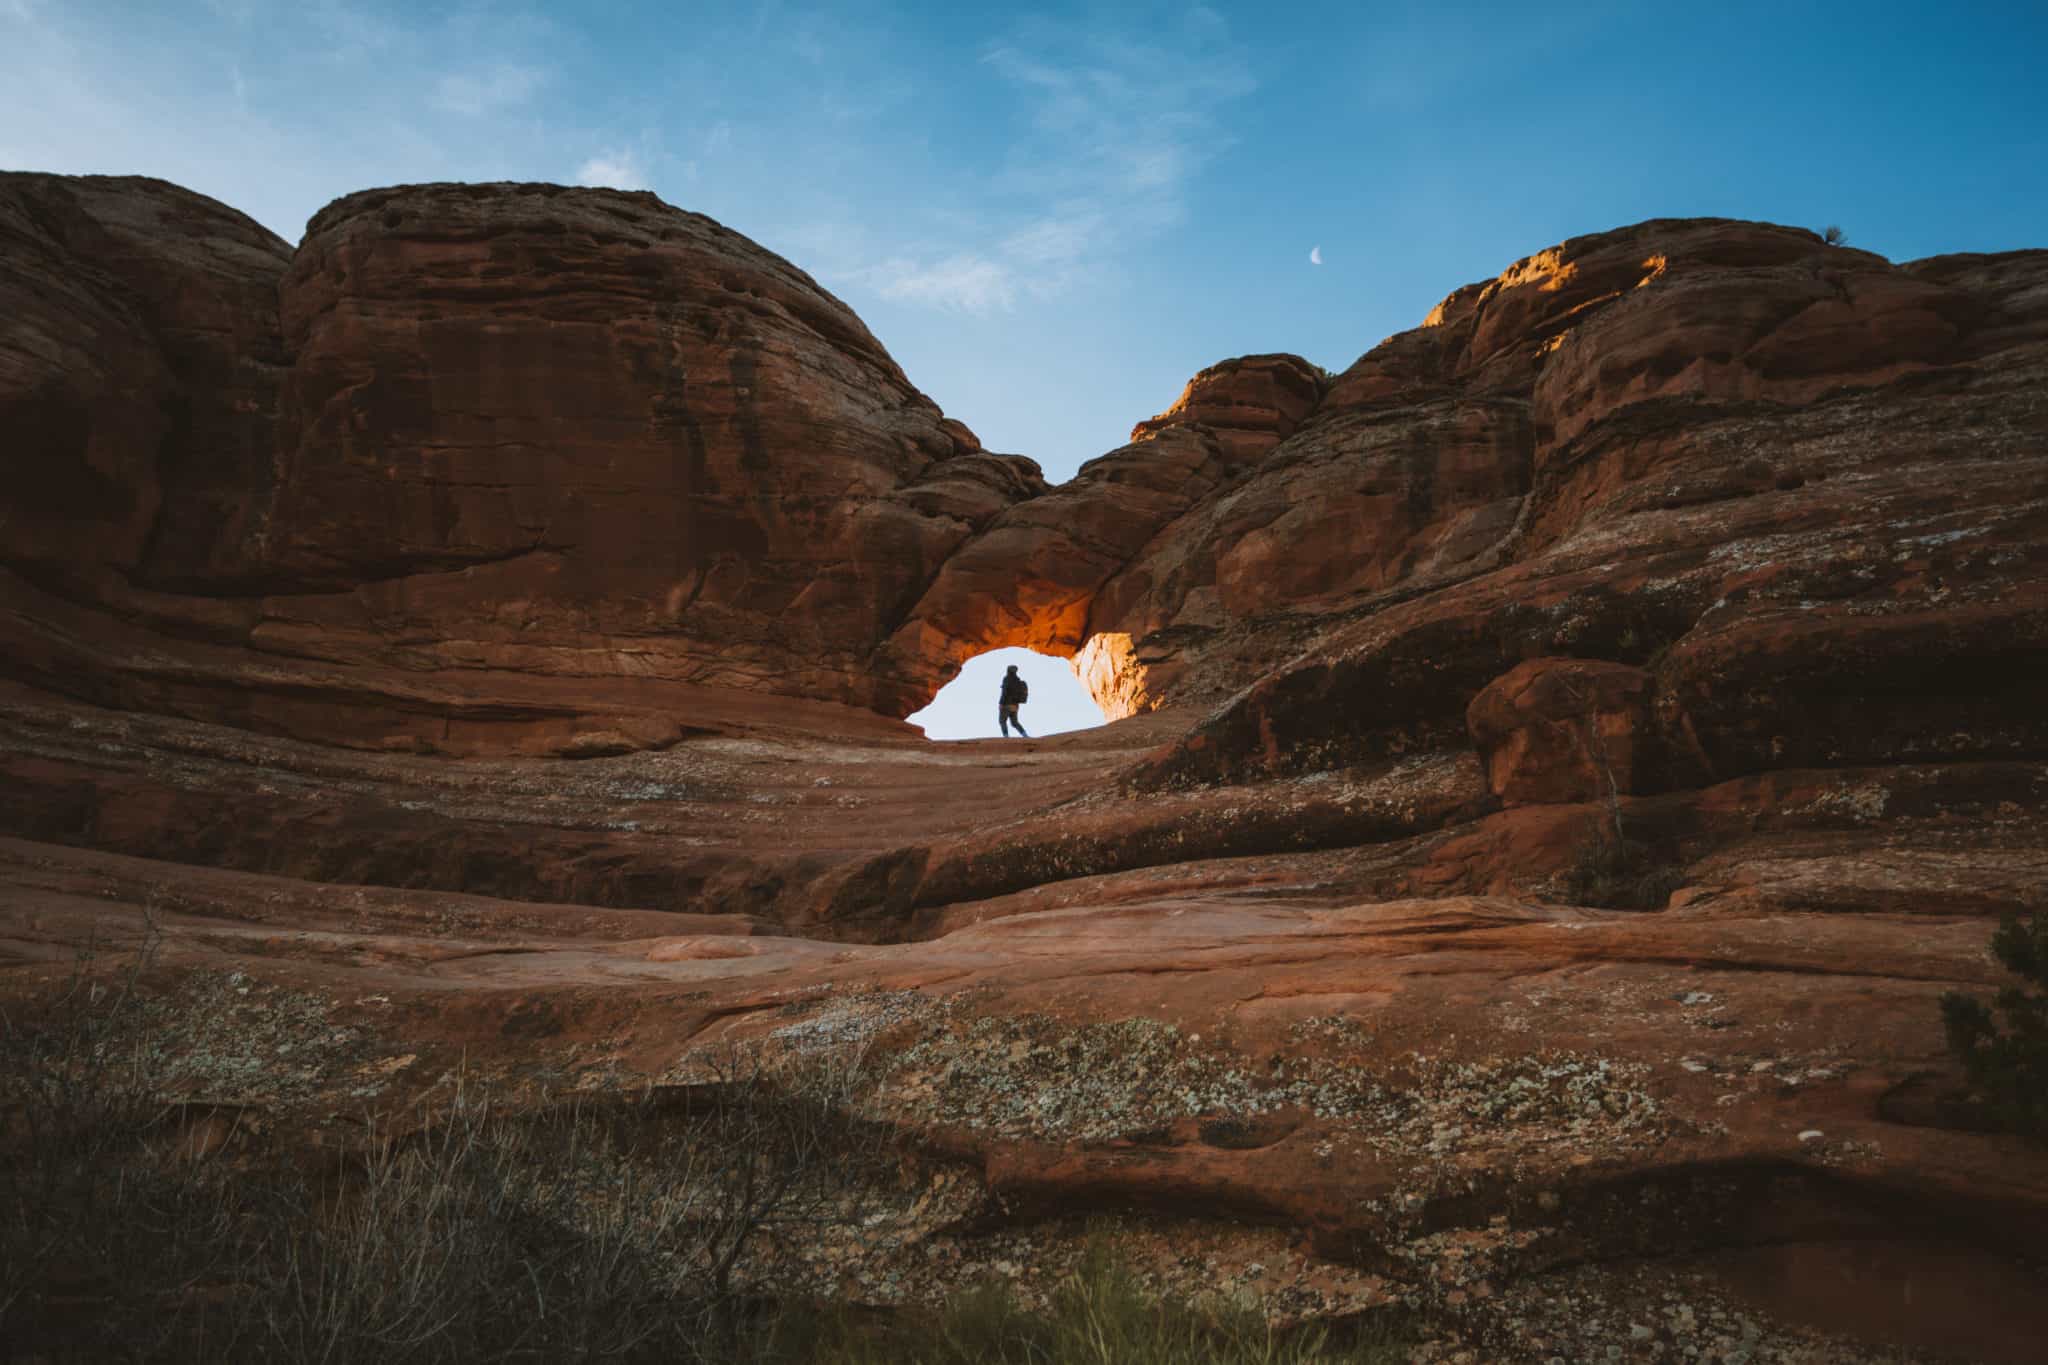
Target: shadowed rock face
[139, 363]
[512, 430]
[319, 565]
[1560, 731]
[587, 433]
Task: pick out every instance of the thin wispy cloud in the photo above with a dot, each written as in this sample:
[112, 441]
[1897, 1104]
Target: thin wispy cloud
[278, 106]
[1056, 240]
[616, 170]
[1124, 123]
[1108, 131]
[1092, 132]
[490, 90]
[963, 283]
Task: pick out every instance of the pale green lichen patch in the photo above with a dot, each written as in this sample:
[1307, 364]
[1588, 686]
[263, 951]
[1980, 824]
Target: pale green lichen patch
[853, 1020]
[227, 1037]
[1030, 1076]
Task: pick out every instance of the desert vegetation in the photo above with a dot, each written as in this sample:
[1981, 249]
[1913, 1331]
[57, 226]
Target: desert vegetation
[654, 1223]
[1609, 867]
[1615, 872]
[2004, 1045]
[1100, 1315]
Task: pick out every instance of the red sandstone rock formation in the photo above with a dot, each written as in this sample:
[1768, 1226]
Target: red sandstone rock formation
[503, 431]
[1706, 525]
[1251, 403]
[514, 437]
[1739, 448]
[675, 457]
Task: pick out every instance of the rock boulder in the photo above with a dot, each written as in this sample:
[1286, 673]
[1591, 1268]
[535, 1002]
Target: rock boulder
[1563, 730]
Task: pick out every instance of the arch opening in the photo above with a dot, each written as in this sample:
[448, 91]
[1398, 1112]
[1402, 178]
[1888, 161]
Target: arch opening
[965, 708]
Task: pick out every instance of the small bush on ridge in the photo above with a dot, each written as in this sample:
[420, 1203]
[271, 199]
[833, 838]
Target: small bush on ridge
[2008, 1065]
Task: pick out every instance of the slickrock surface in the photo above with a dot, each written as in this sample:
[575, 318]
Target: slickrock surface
[467, 644]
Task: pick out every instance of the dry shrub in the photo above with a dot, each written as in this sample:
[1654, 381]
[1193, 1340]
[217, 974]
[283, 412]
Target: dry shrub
[650, 1226]
[1618, 873]
[1100, 1314]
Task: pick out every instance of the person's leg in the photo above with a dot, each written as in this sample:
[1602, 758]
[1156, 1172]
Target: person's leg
[1018, 722]
[1003, 719]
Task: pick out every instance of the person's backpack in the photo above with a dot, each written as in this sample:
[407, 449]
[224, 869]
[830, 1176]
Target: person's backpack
[1023, 691]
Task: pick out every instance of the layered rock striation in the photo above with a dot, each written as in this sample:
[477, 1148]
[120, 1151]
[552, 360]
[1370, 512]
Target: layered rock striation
[1796, 484]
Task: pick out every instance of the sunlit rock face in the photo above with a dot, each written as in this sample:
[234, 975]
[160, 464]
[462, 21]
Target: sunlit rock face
[1031, 577]
[1251, 404]
[1770, 472]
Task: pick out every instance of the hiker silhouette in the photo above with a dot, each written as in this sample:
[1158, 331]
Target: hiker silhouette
[1015, 693]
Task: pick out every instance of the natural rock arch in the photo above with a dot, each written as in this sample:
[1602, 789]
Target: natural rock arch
[1032, 577]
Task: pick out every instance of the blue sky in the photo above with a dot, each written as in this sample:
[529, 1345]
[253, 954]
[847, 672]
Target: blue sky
[1054, 215]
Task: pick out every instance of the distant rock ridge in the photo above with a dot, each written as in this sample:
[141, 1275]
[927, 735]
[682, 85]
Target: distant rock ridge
[477, 457]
